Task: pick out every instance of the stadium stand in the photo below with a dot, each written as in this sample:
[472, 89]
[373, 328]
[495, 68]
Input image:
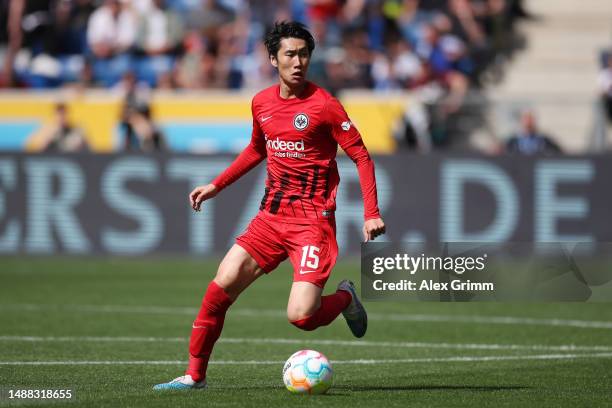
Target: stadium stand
[450, 55]
[556, 74]
[215, 43]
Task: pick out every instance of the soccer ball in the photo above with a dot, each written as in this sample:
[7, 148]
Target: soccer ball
[307, 372]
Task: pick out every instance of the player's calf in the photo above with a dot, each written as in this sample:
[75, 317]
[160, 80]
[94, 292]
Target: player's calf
[206, 329]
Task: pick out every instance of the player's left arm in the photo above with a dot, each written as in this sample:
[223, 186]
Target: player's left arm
[349, 139]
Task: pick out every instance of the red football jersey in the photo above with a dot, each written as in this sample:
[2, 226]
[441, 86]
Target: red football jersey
[300, 138]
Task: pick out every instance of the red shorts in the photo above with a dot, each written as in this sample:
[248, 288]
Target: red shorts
[311, 246]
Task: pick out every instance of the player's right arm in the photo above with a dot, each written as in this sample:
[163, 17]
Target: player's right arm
[250, 157]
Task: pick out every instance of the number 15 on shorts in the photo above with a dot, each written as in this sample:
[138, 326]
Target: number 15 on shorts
[310, 259]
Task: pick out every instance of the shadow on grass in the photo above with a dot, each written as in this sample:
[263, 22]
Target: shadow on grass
[426, 387]
[345, 390]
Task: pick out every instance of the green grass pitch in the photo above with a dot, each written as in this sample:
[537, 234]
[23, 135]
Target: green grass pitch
[119, 326]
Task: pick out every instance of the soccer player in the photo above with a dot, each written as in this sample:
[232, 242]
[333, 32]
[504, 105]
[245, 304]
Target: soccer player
[297, 126]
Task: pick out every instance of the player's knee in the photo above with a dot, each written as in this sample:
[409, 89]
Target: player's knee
[306, 324]
[300, 313]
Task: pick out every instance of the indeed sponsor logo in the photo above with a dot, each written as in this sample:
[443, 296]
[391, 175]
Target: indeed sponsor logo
[278, 144]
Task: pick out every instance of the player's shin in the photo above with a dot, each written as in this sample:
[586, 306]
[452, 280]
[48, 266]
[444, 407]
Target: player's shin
[206, 330]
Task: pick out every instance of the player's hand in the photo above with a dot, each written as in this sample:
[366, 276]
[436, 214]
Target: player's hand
[201, 194]
[373, 228]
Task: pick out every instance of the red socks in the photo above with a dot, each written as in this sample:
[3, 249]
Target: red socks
[206, 330]
[331, 307]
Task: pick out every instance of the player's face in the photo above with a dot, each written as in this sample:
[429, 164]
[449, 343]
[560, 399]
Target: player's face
[292, 61]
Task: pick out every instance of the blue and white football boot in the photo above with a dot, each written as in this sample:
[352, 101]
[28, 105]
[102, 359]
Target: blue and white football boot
[355, 314]
[184, 382]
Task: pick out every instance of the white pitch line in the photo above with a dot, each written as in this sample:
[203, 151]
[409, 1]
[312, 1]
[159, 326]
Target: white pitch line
[477, 358]
[30, 307]
[334, 362]
[274, 313]
[348, 343]
[95, 339]
[582, 324]
[135, 362]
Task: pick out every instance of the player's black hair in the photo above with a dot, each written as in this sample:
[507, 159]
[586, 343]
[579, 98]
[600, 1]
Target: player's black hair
[288, 29]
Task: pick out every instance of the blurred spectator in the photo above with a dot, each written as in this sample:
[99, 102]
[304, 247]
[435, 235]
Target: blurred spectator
[345, 66]
[529, 140]
[337, 16]
[321, 56]
[193, 67]
[454, 55]
[256, 69]
[494, 18]
[139, 132]
[444, 52]
[605, 85]
[264, 13]
[464, 23]
[61, 59]
[447, 64]
[60, 135]
[345, 12]
[213, 38]
[410, 18]
[357, 62]
[232, 49]
[158, 39]
[398, 68]
[66, 33]
[110, 35]
[133, 91]
[26, 24]
[210, 17]
[141, 7]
